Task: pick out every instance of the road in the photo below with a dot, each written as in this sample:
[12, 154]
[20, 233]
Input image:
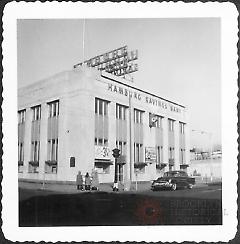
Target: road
[199, 206]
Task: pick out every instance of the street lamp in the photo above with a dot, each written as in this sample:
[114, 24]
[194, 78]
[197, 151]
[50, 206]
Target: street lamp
[116, 154]
[210, 138]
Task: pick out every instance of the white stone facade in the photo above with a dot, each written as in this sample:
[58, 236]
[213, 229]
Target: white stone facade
[79, 126]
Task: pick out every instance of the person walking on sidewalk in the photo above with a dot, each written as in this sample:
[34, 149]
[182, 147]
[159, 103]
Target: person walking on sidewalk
[79, 181]
[87, 182]
[95, 180]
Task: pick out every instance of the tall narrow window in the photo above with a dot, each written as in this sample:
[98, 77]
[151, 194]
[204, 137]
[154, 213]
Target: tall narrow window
[35, 139]
[52, 139]
[159, 155]
[170, 125]
[159, 142]
[102, 152]
[101, 122]
[182, 128]
[182, 155]
[21, 134]
[139, 163]
[121, 137]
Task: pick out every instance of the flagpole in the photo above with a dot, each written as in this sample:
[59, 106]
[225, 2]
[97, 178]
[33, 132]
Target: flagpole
[83, 40]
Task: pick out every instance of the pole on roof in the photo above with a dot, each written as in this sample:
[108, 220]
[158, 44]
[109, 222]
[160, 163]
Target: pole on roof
[83, 40]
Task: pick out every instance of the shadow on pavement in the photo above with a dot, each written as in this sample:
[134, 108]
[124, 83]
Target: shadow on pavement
[103, 208]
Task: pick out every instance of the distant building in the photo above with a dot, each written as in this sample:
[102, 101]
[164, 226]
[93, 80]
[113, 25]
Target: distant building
[72, 121]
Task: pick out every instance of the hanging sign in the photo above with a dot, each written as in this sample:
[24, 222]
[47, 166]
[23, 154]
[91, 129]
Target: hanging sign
[150, 155]
[102, 152]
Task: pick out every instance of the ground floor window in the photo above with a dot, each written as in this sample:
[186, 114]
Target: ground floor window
[138, 152]
[182, 156]
[20, 152]
[34, 162]
[20, 157]
[159, 155]
[52, 156]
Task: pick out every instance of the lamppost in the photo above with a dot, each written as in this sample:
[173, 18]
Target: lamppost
[116, 154]
[210, 139]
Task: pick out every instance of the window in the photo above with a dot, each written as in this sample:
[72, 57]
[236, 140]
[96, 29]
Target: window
[35, 139]
[53, 109]
[53, 150]
[159, 121]
[101, 122]
[34, 163]
[182, 128]
[159, 155]
[138, 140]
[170, 125]
[138, 152]
[21, 134]
[121, 145]
[171, 152]
[182, 156]
[72, 162]
[36, 111]
[138, 116]
[52, 138]
[20, 152]
[121, 112]
[101, 107]
[21, 116]
[35, 148]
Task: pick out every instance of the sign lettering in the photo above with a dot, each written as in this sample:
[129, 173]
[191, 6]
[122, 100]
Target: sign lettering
[148, 99]
[118, 62]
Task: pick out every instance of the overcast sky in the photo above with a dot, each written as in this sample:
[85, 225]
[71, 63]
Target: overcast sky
[179, 59]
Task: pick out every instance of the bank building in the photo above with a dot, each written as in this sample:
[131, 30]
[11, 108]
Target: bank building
[73, 120]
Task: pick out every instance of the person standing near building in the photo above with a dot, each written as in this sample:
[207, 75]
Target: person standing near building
[95, 180]
[79, 181]
[87, 182]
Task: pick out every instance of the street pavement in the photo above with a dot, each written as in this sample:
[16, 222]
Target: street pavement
[47, 207]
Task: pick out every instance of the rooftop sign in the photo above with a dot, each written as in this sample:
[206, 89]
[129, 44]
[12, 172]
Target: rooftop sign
[118, 62]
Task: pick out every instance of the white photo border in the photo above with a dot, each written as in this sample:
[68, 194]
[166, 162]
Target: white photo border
[54, 10]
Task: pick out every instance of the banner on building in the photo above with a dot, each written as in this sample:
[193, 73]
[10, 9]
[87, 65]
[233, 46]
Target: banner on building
[150, 155]
[102, 152]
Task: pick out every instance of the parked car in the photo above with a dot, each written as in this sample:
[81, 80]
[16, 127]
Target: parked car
[173, 180]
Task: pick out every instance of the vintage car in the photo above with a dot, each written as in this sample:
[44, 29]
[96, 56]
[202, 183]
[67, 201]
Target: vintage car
[173, 180]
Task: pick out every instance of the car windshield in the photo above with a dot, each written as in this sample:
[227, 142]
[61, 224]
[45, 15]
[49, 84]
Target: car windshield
[174, 174]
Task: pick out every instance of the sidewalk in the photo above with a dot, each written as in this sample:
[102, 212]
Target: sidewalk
[105, 187]
[72, 188]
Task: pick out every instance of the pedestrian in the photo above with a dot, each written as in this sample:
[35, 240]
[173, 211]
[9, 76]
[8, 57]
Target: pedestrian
[95, 180]
[79, 181]
[87, 182]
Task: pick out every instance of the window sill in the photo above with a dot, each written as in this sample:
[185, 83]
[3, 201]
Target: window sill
[51, 162]
[34, 163]
[140, 165]
[20, 163]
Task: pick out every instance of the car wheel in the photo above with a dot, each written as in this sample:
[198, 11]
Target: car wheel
[174, 186]
[190, 186]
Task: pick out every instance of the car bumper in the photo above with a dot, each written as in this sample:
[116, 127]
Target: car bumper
[161, 186]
